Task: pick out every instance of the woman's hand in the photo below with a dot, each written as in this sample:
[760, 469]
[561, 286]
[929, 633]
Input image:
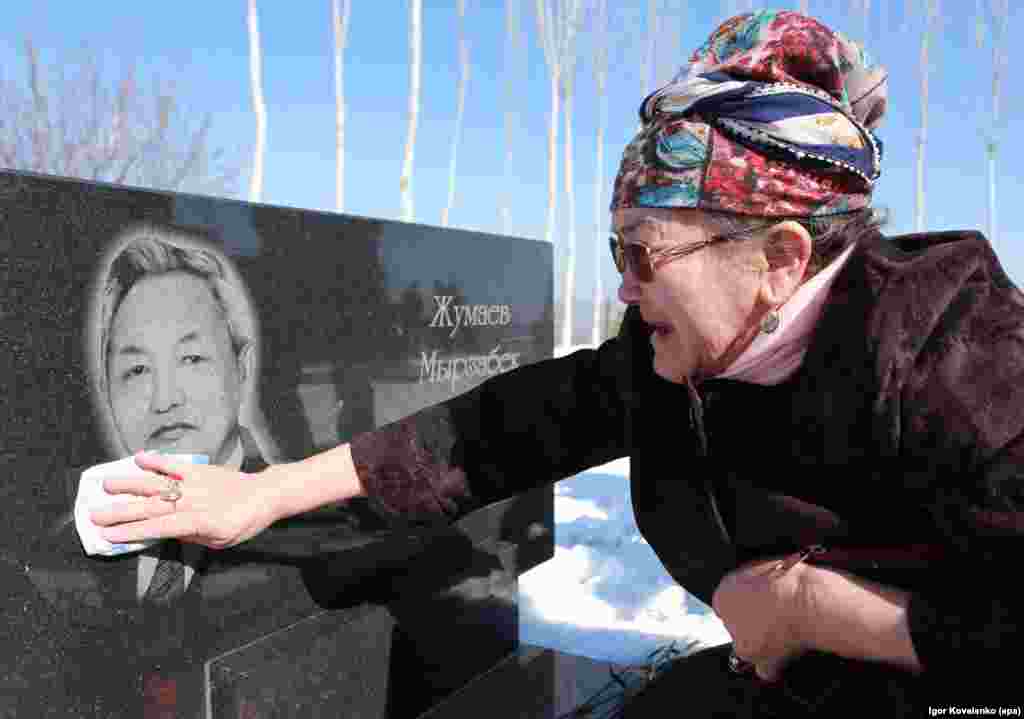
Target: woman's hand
[761, 606]
[775, 616]
[218, 508]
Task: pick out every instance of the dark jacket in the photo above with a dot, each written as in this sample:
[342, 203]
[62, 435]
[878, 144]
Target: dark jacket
[904, 424]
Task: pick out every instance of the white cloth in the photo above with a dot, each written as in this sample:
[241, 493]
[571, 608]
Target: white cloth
[91, 494]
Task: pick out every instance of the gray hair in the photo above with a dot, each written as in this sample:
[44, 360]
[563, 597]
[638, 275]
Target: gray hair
[153, 251]
[830, 234]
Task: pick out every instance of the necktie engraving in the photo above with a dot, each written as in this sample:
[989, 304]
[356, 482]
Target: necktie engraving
[168, 584]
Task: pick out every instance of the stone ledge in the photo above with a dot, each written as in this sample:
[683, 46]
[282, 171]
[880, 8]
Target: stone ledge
[533, 682]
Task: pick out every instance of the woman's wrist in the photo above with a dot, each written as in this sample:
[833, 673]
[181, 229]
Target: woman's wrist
[853, 617]
[298, 487]
[274, 481]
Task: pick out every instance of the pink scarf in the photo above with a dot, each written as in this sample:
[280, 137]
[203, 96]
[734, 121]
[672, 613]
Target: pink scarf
[773, 358]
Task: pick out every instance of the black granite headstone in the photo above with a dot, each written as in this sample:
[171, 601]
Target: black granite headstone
[253, 334]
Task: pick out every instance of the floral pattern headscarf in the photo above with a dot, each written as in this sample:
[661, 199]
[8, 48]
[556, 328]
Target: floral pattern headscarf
[773, 117]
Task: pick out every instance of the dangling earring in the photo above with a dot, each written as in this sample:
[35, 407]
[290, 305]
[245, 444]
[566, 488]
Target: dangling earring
[770, 322]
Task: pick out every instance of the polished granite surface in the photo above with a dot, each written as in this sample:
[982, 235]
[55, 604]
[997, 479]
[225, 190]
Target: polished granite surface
[536, 683]
[309, 328]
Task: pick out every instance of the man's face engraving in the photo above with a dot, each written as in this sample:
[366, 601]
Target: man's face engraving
[175, 381]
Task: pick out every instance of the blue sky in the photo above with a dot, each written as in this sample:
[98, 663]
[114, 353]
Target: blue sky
[203, 46]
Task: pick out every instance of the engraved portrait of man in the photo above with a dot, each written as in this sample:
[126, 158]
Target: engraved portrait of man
[172, 353]
[174, 361]
[176, 353]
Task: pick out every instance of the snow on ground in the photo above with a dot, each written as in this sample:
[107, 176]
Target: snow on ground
[605, 595]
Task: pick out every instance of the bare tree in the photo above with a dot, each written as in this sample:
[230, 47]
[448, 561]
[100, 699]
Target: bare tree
[734, 7]
[922, 138]
[547, 30]
[863, 7]
[1000, 10]
[460, 105]
[909, 6]
[40, 132]
[72, 120]
[648, 61]
[513, 40]
[557, 24]
[258, 106]
[415, 62]
[668, 42]
[599, 33]
[979, 23]
[340, 11]
[567, 90]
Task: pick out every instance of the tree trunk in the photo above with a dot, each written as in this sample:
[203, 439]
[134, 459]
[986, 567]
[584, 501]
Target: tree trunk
[255, 76]
[979, 25]
[546, 29]
[459, 109]
[340, 17]
[598, 322]
[992, 193]
[570, 235]
[922, 140]
[41, 120]
[599, 215]
[1000, 18]
[511, 45]
[652, 21]
[415, 32]
[549, 222]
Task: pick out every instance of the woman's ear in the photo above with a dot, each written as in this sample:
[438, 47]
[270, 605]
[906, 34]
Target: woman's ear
[787, 249]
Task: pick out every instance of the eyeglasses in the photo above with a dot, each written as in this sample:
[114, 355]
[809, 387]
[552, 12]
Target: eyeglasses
[644, 260]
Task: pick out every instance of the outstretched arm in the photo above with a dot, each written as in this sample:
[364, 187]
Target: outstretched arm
[519, 430]
[220, 507]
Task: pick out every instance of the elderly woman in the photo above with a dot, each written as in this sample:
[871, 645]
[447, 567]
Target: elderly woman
[825, 424]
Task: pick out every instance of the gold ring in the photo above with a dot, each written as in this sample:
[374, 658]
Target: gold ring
[739, 666]
[172, 492]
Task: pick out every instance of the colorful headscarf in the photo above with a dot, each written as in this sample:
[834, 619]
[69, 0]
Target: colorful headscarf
[773, 117]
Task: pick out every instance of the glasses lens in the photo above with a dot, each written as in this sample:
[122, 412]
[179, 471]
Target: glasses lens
[638, 257]
[631, 255]
[615, 245]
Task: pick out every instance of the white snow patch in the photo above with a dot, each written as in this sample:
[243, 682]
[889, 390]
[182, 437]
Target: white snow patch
[605, 595]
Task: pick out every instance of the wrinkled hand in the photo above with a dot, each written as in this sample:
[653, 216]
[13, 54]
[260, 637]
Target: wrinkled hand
[762, 608]
[218, 508]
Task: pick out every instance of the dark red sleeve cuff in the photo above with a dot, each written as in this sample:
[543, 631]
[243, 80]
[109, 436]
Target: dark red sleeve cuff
[407, 477]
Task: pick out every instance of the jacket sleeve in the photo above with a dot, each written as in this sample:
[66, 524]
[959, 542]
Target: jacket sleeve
[963, 457]
[519, 430]
[973, 613]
